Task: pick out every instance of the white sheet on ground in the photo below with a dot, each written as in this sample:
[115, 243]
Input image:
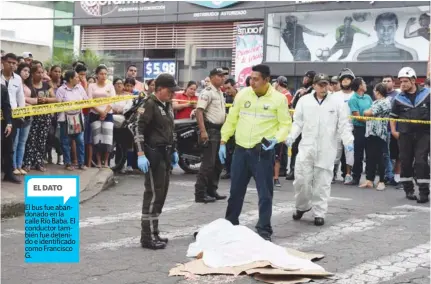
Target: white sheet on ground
[225, 245]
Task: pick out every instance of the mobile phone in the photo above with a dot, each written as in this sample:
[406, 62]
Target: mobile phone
[265, 142]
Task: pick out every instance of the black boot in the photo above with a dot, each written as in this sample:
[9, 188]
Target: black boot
[318, 221]
[423, 199]
[215, 195]
[160, 239]
[225, 176]
[290, 175]
[204, 199]
[411, 195]
[12, 178]
[298, 214]
[153, 244]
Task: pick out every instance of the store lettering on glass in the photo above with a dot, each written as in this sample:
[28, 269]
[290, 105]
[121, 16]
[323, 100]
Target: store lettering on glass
[103, 8]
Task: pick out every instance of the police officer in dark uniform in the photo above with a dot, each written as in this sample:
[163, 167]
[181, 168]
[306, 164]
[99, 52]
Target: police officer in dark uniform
[153, 129]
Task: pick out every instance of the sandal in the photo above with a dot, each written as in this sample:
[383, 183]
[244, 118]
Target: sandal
[22, 171]
[69, 168]
[367, 184]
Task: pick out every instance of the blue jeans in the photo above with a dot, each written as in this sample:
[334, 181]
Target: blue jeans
[259, 164]
[19, 146]
[65, 144]
[389, 172]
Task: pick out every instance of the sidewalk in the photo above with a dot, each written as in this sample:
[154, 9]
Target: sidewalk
[92, 182]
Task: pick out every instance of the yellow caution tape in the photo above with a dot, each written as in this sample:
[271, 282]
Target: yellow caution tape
[364, 118]
[65, 106]
[76, 105]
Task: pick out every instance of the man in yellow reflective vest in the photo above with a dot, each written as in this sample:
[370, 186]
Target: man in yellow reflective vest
[260, 119]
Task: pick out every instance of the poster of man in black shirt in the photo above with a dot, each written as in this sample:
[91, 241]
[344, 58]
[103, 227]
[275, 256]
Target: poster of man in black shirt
[344, 37]
[423, 31]
[386, 48]
[293, 36]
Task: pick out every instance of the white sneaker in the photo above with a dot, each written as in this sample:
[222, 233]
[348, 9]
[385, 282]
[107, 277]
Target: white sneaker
[381, 186]
[129, 169]
[348, 179]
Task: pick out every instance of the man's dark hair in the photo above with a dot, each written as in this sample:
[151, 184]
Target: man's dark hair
[230, 81]
[70, 74]
[262, 69]
[356, 83]
[389, 16]
[388, 76]
[80, 68]
[132, 65]
[35, 62]
[247, 81]
[9, 56]
[130, 80]
[76, 63]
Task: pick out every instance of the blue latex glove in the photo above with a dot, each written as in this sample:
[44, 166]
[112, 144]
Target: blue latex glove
[271, 146]
[143, 164]
[222, 154]
[175, 159]
[349, 148]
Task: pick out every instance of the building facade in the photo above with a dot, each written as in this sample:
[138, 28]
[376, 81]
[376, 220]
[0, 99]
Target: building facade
[189, 38]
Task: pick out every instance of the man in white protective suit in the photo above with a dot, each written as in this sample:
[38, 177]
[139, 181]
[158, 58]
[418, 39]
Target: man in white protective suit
[321, 118]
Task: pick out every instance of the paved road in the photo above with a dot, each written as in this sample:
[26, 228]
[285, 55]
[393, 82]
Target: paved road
[369, 237]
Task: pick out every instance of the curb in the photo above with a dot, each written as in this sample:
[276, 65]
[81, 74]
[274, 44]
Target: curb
[101, 181]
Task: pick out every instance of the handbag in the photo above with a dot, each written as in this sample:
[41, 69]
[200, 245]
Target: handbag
[74, 122]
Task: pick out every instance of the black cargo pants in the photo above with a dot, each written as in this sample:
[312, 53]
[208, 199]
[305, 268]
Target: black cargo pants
[414, 152]
[156, 190]
[211, 167]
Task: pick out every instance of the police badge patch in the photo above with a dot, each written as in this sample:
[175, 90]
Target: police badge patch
[265, 106]
[247, 104]
[141, 110]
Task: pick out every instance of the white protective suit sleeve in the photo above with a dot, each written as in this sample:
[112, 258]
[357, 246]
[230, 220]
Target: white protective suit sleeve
[298, 122]
[344, 129]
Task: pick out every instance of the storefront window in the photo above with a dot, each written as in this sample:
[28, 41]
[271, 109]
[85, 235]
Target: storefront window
[63, 28]
[199, 71]
[391, 34]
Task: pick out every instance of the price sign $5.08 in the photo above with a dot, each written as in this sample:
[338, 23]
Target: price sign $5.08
[155, 68]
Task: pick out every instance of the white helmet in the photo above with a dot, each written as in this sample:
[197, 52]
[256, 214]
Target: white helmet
[407, 72]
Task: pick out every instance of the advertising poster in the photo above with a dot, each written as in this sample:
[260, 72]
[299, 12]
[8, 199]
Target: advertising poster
[249, 50]
[393, 34]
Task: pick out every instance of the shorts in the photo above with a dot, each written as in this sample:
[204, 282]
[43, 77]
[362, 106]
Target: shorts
[394, 149]
[280, 150]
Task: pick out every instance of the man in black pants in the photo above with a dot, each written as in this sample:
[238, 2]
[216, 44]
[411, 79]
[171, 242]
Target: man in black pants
[153, 129]
[7, 137]
[307, 88]
[414, 139]
[210, 114]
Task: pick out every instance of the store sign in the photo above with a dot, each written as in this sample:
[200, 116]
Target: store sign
[153, 68]
[248, 51]
[104, 8]
[213, 4]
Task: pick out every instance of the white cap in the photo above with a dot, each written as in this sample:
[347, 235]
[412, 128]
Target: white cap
[27, 55]
[407, 72]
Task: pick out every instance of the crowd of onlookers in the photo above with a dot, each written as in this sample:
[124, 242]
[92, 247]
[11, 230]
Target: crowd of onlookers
[376, 141]
[74, 135]
[84, 138]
